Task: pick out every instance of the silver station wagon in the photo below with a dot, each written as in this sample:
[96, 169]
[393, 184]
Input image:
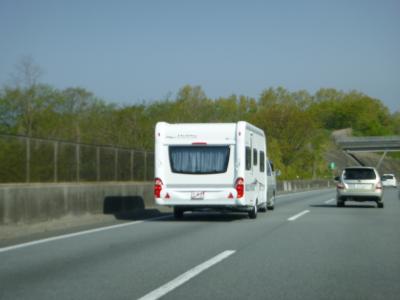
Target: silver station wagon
[359, 184]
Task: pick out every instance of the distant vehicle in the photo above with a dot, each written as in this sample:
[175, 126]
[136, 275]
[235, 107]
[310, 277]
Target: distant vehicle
[359, 184]
[389, 180]
[217, 166]
[271, 183]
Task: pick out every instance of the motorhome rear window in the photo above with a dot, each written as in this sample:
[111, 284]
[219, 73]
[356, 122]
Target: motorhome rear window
[199, 159]
[358, 174]
[255, 157]
[248, 158]
[262, 161]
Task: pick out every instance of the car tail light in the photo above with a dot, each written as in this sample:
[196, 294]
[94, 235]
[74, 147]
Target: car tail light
[378, 186]
[157, 187]
[239, 186]
[340, 186]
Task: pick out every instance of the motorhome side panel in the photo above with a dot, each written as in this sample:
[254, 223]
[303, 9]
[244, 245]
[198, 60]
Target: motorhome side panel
[255, 177]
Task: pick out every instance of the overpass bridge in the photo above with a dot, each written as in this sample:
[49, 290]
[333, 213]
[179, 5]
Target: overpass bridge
[382, 144]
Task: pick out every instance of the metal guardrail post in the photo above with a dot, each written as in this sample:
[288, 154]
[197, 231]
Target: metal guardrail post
[55, 161]
[28, 159]
[132, 161]
[97, 164]
[145, 165]
[78, 166]
[116, 164]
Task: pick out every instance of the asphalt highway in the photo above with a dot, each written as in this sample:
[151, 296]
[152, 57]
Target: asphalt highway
[306, 248]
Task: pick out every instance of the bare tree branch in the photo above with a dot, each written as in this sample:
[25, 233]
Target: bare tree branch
[27, 73]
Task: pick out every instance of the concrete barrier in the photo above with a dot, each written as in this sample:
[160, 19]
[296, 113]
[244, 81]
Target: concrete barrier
[32, 203]
[290, 186]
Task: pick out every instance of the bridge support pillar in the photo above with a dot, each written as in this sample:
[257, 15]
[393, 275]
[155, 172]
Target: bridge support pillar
[381, 160]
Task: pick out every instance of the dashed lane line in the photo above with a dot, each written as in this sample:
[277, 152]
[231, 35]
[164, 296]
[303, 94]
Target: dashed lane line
[295, 217]
[181, 279]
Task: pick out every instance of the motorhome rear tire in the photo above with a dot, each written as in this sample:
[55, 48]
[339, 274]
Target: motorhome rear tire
[178, 213]
[271, 206]
[253, 212]
[263, 208]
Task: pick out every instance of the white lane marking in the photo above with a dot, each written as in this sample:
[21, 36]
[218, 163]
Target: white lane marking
[329, 201]
[181, 279]
[65, 236]
[298, 215]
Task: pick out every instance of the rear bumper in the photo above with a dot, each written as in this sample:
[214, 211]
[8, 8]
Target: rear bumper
[218, 198]
[202, 203]
[360, 195]
[214, 208]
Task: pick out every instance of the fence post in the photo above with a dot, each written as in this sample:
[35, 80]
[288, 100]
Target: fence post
[78, 167]
[131, 169]
[97, 163]
[145, 165]
[116, 164]
[55, 161]
[28, 159]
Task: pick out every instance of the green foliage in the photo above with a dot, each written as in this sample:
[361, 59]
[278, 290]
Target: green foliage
[365, 115]
[297, 124]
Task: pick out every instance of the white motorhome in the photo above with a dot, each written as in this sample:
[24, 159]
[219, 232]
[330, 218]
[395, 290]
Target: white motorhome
[219, 166]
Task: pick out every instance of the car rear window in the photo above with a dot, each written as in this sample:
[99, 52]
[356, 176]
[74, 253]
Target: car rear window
[359, 174]
[199, 159]
[384, 177]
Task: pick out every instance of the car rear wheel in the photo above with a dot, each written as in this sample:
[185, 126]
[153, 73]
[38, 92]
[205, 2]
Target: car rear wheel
[339, 203]
[380, 204]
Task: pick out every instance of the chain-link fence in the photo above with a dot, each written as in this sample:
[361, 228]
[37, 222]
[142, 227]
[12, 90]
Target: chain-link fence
[24, 159]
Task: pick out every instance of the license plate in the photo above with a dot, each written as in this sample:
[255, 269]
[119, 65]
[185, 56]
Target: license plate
[363, 186]
[197, 196]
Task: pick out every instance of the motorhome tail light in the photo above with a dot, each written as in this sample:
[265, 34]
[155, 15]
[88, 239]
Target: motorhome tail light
[340, 186]
[239, 186]
[157, 187]
[378, 186]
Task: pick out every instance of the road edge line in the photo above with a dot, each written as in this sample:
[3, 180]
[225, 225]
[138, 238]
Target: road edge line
[69, 235]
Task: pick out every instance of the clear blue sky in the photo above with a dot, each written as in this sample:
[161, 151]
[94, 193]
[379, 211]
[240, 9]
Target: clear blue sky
[129, 51]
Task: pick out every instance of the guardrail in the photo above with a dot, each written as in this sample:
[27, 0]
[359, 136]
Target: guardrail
[26, 159]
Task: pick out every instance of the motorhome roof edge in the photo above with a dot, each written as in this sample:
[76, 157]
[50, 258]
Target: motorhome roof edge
[243, 124]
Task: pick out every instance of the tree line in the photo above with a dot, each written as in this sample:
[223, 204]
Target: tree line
[298, 124]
